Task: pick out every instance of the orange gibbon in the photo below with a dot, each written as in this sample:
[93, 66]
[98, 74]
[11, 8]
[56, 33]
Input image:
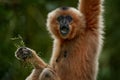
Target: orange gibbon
[77, 35]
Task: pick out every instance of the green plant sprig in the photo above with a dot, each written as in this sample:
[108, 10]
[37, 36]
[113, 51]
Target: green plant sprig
[18, 41]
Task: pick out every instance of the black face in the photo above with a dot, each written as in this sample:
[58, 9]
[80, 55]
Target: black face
[64, 22]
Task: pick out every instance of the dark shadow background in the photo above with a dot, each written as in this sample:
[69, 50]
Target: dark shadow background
[27, 18]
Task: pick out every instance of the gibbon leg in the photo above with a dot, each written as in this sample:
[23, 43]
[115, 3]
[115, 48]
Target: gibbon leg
[34, 75]
[49, 74]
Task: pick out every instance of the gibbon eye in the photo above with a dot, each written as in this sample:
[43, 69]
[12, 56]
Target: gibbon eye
[60, 18]
[69, 18]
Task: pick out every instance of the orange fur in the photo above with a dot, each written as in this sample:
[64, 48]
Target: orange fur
[83, 43]
[75, 56]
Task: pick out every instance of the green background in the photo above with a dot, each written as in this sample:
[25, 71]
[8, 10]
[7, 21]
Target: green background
[28, 17]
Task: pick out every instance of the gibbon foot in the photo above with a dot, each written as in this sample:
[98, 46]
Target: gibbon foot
[48, 74]
[23, 53]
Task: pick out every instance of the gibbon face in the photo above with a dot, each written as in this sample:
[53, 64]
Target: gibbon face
[65, 23]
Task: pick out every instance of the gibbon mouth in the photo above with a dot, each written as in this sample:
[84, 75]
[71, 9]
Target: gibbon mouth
[64, 30]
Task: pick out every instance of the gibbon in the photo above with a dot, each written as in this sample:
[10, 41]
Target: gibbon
[77, 35]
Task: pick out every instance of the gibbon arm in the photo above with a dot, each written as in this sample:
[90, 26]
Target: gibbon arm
[29, 55]
[41, 71]
[91, 10]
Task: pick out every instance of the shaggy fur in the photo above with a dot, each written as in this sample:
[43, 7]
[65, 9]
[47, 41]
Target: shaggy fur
[75, 56]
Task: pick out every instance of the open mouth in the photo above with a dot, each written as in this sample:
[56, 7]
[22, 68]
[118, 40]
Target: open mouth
[64, 30]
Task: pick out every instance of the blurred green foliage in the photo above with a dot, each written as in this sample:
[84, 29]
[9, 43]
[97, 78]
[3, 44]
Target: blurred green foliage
[27, 18]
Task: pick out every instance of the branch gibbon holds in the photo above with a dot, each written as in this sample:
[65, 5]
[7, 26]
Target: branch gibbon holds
[77, 35]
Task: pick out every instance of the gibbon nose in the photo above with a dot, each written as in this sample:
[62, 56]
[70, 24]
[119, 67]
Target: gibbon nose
[64, 26]
[64, 23]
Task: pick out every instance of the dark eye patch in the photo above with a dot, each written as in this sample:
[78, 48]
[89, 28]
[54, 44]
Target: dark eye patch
[60, 18]
[69, 18]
